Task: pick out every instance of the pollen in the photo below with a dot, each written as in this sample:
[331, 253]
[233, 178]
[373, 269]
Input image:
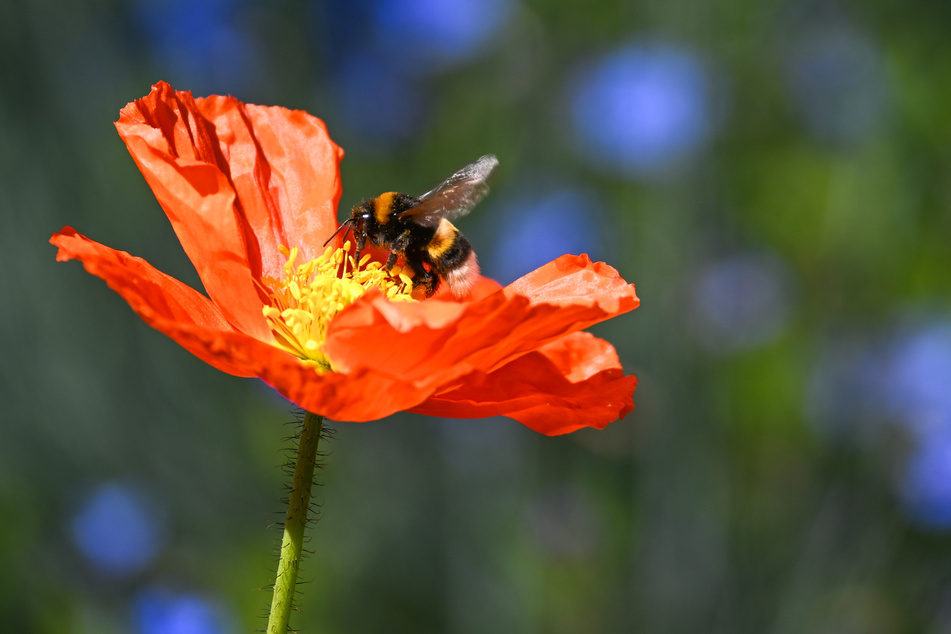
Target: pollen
[303, 303]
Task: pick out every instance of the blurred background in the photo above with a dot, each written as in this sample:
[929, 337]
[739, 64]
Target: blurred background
[774, 176]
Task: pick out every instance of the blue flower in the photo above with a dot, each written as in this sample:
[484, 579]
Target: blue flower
[117, 530]
[742, 301]
[920, 374]
[844, 396]
[926, 483]
[919, 401]
[378, 101]
[435, 34]
[160, 611]
[199, 42]
[642, 109]
[540, 227]
[836, 77]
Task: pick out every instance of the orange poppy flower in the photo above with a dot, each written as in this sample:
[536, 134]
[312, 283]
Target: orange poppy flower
[252, 193]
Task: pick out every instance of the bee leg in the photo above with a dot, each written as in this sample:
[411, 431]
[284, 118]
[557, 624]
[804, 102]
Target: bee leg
[424, 282]
[397, 247]
[425, 287]
[361, 239]
[428, 284]
[402, 242]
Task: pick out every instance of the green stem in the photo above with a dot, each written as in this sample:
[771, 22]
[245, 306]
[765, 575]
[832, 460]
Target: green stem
[293, 542]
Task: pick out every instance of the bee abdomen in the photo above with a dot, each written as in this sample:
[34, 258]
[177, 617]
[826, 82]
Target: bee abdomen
[453, 258]
[448, 248]
[463, 277]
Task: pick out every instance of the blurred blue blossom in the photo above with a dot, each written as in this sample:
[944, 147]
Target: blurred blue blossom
[381, 52]
[538, 227]
[918, 399]
[160, 611]
[117, 529]
[642, 109]
[199, 42]
[429, 35]
[856, 387]
[844, 395]
[836, 76]
[919, 380]
[926, 482]
[742, 301]
[377, 101]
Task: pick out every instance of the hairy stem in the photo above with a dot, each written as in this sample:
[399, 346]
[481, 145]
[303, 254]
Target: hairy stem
[293, 540]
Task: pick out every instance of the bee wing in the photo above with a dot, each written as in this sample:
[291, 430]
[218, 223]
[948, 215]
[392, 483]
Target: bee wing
[458, 194]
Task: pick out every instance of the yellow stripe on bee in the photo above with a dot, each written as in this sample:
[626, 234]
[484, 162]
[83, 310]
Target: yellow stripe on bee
[445, 237]
[383, 207]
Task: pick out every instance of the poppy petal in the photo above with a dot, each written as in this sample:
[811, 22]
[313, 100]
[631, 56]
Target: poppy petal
[434, 342]
[160, 300]
[282, 165]
[237, 181]
[286, 171]
[196, 323]
[571, 383]
[571, 279]
[177, 151]
[360, 397]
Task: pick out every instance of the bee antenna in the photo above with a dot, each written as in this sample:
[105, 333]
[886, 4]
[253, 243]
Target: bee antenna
[345, 223]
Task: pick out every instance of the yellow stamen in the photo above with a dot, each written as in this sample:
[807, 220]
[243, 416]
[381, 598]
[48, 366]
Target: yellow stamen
[304, 302]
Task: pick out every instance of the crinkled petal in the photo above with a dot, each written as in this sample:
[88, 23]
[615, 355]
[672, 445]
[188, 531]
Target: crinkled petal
[573, 382]
[433, 343]
[195, 322]
[178, 153]
[360, 397]
[160, 300]
[236, 182]
[574, 279]
[286, 172]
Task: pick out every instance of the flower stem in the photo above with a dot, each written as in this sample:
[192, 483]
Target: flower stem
[293, 540]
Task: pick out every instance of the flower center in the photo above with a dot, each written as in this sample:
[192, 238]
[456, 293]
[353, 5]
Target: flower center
[306, 299]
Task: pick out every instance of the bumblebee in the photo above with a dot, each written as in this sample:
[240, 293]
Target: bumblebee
[418, 228]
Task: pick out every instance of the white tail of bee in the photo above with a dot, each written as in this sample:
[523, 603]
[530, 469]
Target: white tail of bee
[462, 278]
